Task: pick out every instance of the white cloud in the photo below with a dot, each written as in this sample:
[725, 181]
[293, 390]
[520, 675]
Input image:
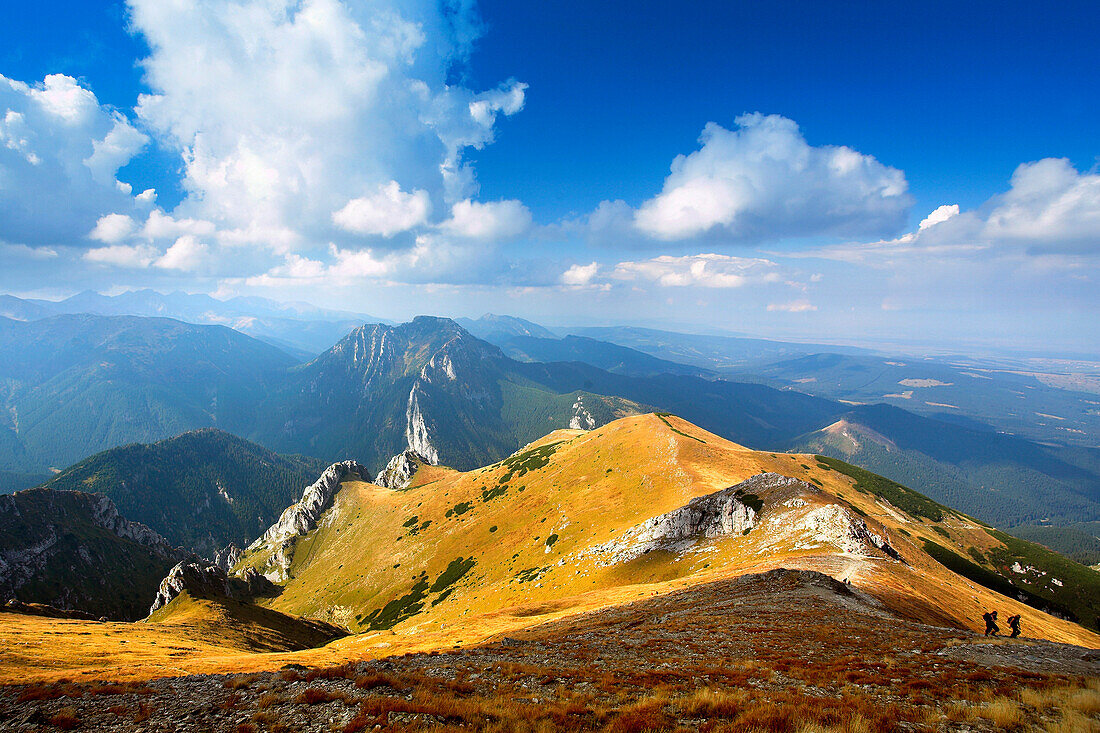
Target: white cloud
[386, 212]
[61, 96]
[702, 270]
[1049, 207]
[113, 228]
[795, 306]
[60, 151]
[296, 120]
[579, 275]
[122, 255]
[164, 226]
[23, 252]
[187, 254]
[940, 215]
[1049, 204]
[492, 220]
[764, 180]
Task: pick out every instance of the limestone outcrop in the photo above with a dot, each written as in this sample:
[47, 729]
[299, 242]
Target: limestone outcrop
[298, 519]
[725, 512]
[227, 557]
[400, 470]
[205, 580]
[72, 550]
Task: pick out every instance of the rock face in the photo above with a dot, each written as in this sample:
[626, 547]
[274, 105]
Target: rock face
[400, 470]
[300, 518]
[582, 419]
[206, 580]
[836, 525]
[416, 430]
[722, 513]
[227, 557]
[72, 550]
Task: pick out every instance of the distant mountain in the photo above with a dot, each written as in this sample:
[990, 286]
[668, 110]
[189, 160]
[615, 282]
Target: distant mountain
[73, 385]
[432, 385]
[611, 357]
[12, 481]
[494, 328]
[18, 309]
[300, 329]
[427, 384]
[72, 550]
[998, 478]
[189, 307]
[716, 353]
[1011, 401]
[202, 490]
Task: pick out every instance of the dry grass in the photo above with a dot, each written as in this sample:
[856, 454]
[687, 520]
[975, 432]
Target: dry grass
[1003, 712]
[268, 699]
[240, 681]
[65, 719]
[713, 703]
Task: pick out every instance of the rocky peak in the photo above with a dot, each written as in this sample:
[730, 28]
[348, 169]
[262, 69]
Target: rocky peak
[300, 518]
[400, 470]
[206, 580]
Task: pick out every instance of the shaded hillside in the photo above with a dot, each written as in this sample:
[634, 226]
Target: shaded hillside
[713, 352]
[74, 385]
[998, 478]
[202, 490]
[72, 550]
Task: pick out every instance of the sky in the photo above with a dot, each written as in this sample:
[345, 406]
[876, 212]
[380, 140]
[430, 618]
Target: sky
[921, 172]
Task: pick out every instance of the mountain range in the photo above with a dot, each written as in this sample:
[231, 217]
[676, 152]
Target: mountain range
[462, 401]
[300, 329]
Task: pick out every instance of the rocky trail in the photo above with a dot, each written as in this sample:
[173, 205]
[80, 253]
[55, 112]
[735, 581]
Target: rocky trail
[783, 650]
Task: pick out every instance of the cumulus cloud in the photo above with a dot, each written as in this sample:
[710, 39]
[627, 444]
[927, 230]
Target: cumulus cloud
[1049, 208]
[579, 275]
[940, 215]
[763, 179]
[303, 122]
[702, 270]
[60, 152]
[122, 255]
[1049, 204]
[113, 228]
[492, 220]
[386, 212]
[187, 253]
[160, 225]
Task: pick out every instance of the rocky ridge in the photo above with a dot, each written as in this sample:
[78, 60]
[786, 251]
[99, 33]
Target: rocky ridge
[300, 518]
[399, 472]
[205, 580]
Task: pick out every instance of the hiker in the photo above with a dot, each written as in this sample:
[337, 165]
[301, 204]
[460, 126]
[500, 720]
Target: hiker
[991, 627]
[1014, 624]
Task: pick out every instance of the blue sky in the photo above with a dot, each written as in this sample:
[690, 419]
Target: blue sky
[414, 156]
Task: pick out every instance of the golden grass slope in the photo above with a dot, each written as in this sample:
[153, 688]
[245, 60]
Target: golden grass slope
[513, 542]
[458, 558]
